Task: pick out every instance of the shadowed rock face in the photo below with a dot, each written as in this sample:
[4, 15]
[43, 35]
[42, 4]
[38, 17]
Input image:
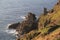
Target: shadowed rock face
[28, 24]
[13, 26]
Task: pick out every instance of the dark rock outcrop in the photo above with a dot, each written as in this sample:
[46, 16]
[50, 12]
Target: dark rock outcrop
[13, 26]
[28, 24]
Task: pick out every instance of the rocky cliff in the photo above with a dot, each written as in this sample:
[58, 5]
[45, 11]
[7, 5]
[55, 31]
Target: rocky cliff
[46, 27]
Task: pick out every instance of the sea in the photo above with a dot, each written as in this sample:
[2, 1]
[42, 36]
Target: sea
[13, 11]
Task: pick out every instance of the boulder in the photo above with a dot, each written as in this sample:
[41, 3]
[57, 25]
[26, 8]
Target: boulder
[13, 26]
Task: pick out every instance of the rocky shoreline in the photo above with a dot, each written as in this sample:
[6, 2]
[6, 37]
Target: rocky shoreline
[46, 27]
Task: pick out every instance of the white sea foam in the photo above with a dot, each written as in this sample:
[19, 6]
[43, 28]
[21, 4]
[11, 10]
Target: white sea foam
[10, 31]
[23, 17]
[8, 26]
[13, 32]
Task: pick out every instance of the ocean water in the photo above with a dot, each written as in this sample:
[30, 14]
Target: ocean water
[12, 11]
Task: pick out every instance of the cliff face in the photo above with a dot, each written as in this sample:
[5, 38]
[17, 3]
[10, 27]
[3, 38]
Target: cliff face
[46, 27]
[28, 24]
[49, 24]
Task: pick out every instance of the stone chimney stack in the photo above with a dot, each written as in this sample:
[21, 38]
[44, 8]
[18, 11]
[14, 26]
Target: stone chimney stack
[45, 11]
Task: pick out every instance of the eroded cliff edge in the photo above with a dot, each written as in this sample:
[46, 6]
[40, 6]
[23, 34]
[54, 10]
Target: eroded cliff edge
[46, 27]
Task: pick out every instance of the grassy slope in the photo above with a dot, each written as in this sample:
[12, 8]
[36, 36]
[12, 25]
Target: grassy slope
[52, 36]
[54, 19]
[45, 24]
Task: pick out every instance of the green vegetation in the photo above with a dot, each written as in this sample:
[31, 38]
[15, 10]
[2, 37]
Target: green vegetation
[48, 26]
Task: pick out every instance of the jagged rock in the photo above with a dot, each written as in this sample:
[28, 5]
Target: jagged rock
[13, 26]
[30, 17]
[28, 24]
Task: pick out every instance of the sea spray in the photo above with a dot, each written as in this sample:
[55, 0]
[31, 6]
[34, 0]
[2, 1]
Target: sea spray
[11, 31]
